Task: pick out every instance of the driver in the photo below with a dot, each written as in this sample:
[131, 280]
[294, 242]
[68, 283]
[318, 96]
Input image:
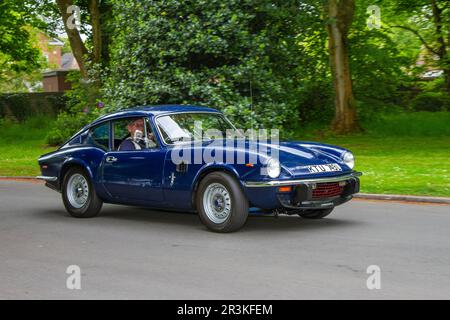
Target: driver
[136, 140]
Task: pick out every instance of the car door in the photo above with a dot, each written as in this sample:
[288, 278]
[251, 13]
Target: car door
[133, 175]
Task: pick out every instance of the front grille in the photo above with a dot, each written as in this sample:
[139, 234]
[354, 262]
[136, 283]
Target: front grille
[327, 190]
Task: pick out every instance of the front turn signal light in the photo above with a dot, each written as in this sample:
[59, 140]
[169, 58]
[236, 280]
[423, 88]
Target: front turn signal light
[285, 189]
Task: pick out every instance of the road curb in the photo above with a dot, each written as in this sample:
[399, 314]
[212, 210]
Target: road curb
[17, 178]
[396, 197]
[21, 179]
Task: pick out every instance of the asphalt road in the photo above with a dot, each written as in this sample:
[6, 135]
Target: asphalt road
[135, 253]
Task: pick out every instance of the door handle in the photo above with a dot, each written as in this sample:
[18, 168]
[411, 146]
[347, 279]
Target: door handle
[111, 159]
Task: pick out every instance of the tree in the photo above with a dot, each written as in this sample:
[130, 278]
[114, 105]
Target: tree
[17, 52]
[240, 56]
[378, 63]
[94, 13]
[339, 14]
[28, 76]
[76, 43]
[429, 21]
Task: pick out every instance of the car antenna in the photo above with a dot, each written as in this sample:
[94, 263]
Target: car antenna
[251, 102]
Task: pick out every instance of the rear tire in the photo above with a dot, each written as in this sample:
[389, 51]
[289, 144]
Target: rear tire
[221, 204]
[78, 194]
[315, 214]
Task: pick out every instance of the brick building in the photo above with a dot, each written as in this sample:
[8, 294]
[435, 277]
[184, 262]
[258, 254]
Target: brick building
[54, 79]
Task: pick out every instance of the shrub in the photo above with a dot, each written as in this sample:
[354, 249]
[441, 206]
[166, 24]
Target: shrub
[33, 128]
[209, 52]
[431, 101]
[65, 126]
[410, 124]
[82, 109]
[21, 106]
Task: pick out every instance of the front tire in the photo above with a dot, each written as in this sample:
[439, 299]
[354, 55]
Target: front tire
[221, 204]
[315, 214]
[78, 194]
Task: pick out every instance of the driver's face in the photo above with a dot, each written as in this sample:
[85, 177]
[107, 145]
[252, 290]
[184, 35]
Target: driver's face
[136, 125]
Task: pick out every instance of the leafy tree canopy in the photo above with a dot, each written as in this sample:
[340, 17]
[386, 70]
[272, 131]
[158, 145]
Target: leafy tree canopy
[17, 52]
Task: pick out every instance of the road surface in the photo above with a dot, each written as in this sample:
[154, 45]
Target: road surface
[136, 253]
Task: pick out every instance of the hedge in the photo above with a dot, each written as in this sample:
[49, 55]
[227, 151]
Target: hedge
[21, 106]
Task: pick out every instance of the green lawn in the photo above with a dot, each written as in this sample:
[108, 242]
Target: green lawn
[21, 145]
[400, 153]
[401, 165]
[394, 163]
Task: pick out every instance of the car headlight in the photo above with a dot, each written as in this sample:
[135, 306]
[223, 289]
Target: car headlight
[348, 159]
[273, 168]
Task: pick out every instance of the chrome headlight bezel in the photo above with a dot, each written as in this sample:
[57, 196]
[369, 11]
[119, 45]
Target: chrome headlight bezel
[273, 168]
[349, 159]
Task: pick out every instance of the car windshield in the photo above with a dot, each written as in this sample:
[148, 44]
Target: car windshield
[183, 127]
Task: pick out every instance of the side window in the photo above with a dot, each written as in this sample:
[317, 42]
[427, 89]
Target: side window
[120, 132]
[99, 136]
[131, 134]
[73, 142]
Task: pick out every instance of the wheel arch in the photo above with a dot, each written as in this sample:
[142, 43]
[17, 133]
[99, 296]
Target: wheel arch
[72, 163]
[203, 172]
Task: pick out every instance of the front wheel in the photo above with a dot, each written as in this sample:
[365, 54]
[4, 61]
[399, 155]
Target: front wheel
[221, 204]
[315, 214]
[79, 196]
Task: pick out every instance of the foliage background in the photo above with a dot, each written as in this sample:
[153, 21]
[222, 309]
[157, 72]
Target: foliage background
[240, 56]
[263, 62]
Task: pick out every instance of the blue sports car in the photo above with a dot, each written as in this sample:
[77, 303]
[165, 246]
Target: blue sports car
[192, 158]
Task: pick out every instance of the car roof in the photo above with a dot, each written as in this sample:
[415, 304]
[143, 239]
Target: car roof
[151, 111]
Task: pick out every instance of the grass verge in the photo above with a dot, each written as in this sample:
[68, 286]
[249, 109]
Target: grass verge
[406, 165]
[21, 145]
[401, 153]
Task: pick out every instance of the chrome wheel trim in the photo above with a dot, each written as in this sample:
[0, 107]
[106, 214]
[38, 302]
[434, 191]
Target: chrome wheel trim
[217, 203]
[77, 190]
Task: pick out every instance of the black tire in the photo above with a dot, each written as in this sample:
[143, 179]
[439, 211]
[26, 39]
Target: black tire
[315, 214]
[238, 213]
[93, 204]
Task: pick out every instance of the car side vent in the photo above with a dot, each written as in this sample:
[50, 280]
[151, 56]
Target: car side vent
[182, 167]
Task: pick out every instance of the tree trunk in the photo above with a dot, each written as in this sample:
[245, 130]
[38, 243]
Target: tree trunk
[76, 43]
[339, 14]
[447, 67]
[442, 49]
[94, 11]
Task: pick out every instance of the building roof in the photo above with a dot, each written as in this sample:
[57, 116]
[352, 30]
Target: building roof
[55, 42]
[54, 73]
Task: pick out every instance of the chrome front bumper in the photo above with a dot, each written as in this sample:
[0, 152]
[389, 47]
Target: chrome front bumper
[301, 196]
[277, 183]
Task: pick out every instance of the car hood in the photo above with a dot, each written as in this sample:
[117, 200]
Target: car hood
[294, 157]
